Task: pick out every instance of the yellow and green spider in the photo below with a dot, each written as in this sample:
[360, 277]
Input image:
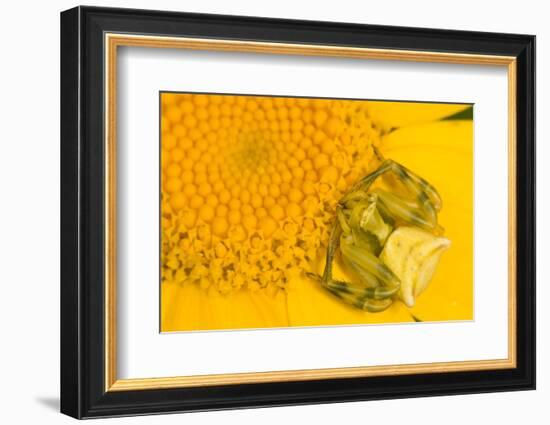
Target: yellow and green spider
[388, 238]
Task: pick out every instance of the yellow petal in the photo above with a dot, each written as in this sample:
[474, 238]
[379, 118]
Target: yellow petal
[400, 114]
[187, 307]
[442, 153]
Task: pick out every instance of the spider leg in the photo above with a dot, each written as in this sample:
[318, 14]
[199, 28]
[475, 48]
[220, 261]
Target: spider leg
[372, 299]
[363, 185]
[351, 295]
[418, 215]
[412, 181]
[369, 264]
[366, 278]
[424, 191]
[333, 244]
[357, 297]
[423, 213]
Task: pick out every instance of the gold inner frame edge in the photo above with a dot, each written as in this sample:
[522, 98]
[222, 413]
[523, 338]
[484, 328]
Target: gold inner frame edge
[112, 41]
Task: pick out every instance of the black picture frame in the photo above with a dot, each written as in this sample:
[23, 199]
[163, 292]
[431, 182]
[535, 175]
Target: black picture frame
[83, 392]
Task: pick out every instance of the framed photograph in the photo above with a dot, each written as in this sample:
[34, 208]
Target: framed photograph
[261, 212]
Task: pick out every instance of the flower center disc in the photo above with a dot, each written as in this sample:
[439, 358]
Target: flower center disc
[250, 183]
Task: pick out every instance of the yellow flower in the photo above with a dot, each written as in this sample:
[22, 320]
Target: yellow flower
[249, 189]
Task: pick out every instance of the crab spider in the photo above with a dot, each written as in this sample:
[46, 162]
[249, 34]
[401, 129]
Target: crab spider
[386, 239]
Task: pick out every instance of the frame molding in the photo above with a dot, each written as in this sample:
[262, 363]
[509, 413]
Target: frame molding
[113, 41]
[89, 41]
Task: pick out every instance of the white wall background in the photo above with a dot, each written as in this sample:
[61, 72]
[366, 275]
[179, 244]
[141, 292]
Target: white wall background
[29, 214]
